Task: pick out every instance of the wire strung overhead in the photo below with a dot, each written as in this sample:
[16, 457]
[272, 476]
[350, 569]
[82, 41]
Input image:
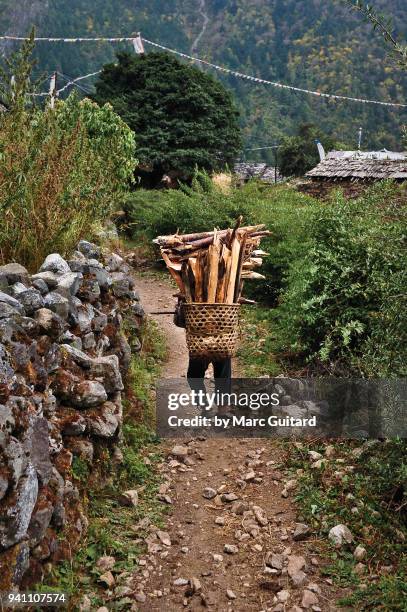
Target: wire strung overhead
[138, 41]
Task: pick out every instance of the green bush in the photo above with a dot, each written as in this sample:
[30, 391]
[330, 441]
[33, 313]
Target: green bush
[61, 171]
[344, 302]
[189, 209]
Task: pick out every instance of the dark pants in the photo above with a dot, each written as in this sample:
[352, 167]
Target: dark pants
[222, 369]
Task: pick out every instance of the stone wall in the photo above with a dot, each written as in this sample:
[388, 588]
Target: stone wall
[63, 354]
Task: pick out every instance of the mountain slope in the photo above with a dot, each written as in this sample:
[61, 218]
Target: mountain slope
[315, 44]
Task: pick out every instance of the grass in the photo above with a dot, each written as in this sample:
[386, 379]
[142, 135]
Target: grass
[111, 525]
[362, 487]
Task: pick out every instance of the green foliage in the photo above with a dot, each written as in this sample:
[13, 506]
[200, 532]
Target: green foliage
[183, 117]
[344, 301]
[61, 170]
[298, 154]
[189, 209]
[376, 487]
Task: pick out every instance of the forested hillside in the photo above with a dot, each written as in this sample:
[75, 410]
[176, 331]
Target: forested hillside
[316, 44]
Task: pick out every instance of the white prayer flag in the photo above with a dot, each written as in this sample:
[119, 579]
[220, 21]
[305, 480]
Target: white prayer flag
[138, 45]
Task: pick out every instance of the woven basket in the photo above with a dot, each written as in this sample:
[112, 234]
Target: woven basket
[212, 330]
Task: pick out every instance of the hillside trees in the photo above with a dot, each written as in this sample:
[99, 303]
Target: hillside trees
[183, 118]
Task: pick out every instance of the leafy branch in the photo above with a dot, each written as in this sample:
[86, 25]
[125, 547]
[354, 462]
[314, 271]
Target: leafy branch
[383, 25]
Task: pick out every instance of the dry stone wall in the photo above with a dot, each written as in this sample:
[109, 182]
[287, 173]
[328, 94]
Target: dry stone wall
[63, 357]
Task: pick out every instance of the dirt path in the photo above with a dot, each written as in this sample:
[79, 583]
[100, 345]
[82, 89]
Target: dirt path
[229, 543]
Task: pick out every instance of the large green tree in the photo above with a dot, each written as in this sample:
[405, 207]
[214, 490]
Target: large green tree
[299, 153]
[182, 117]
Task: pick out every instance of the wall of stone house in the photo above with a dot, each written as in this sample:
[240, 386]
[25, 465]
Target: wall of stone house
[63, 356]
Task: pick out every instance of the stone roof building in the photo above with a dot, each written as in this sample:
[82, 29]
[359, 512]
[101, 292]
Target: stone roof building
[245, 171]
[360, 166]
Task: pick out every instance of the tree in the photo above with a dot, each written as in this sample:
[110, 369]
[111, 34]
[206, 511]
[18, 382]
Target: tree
[62, 169]
[298, 154]
[183, 118]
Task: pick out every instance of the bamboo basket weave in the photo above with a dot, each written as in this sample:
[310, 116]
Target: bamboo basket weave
[212, 330]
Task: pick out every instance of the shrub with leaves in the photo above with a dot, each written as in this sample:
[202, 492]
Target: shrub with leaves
[344, 302]
[61, 170]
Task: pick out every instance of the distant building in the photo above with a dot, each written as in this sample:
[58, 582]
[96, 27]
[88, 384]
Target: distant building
[246, 171]
[366, 166]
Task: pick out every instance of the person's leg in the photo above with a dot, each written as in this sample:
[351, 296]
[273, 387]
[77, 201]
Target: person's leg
[196, 375]
[222, 370]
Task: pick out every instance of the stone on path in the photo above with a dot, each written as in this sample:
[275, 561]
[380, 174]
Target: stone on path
[309, 599]
[209, 493]
[230, 594]
[164, 538]
[230, 549]
[340, 534]
[301, 532]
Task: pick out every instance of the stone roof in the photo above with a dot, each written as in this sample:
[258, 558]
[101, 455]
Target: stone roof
[350, 165]
[253, 170]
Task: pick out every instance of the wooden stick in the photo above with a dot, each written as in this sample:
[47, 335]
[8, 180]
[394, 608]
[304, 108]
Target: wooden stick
[240, 267]
[234, 264]
[174, 273]
[185, 279]
[213, 265]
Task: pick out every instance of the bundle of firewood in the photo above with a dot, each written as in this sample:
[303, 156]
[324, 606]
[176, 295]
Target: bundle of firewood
[211, 266]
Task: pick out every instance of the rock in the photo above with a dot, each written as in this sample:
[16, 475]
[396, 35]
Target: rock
[329, 451]
[68, 284]
[16, 458]
[295, 565]
[260, 516]
[7, 311]
[105, 563]
[40, 520]
[41, 285]
[108, 368]
[309, 599]
[32, 300]
[180, 582]
[209, 493]
[359, 553]
[5, 298]
[314, 456]
[301, 532]
[229, 497]
[220, 520]
[88, 393]
[3, 485]
[14, 563]
[283, 596]
[129, 498]
[14, 273]
[102, 609]
[37, 445]
[55, 263]
[179, 451]
[340, 535]
[108, 579]
[164, 538]
[360, 568]
[85, 604]
[58, 304]
[49, 278]
[17, 518]
[103, 422]
[88, 249]
[140, 597]
[99, 323]
[195, 585]
[50, 323]
[249, 476]
[230, 594]
[275, 560]
[299, 578]
[230, 549]
[239, 507]
[114, 262]
[121, 284]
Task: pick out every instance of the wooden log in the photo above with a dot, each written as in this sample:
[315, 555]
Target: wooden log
[240, 267]
[175, 273]
[252, 276]
[186, 282]
[213, 268]
[220, 290]
[234, 264]
[243, 300]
